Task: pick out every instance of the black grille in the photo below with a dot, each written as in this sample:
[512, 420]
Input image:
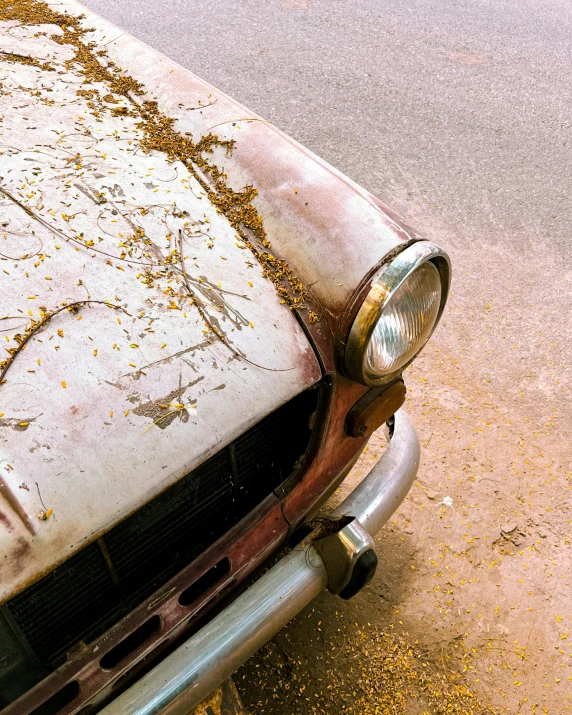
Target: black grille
[73, 598]
[149, 547]
[93, 589]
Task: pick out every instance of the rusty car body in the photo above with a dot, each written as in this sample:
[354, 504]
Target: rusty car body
[187, 304]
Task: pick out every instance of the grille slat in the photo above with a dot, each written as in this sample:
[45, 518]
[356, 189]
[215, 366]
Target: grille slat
[164, 532]
[167, 533]
[79, 600]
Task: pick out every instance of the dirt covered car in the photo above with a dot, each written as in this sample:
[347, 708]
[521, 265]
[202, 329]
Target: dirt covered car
[202, 325]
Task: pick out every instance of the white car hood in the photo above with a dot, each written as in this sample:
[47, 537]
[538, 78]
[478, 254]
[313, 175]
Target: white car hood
[106, 407]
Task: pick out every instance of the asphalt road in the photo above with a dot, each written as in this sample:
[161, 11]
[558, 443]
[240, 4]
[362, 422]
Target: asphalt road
[457, 113]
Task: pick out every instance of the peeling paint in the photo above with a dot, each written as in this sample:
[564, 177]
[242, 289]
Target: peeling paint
[19, 424]
[38, 445]
[159, 408]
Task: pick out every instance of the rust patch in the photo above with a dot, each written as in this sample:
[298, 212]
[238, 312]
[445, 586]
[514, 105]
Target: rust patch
[7, 523]
[21, 549]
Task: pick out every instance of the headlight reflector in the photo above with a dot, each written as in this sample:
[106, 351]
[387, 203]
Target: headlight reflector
[405, 322]
[398, 315]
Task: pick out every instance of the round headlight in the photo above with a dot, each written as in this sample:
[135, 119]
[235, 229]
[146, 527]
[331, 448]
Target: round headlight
[399, 314]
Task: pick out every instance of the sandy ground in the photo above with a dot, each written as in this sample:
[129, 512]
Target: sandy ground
[456, 113]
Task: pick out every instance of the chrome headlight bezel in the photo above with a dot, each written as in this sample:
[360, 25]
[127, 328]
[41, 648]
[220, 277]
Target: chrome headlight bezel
[383, 287]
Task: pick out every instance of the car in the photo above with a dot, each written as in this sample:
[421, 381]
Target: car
[204, 323]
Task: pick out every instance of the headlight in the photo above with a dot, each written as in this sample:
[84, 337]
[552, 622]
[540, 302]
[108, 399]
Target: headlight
[398, 315]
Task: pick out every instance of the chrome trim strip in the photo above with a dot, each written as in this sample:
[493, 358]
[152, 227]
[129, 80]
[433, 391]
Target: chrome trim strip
[189, 674]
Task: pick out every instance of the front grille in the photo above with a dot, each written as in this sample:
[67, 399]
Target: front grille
[84, 596]
[76, 596]
[149, 547]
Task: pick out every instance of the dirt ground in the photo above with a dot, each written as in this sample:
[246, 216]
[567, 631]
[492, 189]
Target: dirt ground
[470, 609]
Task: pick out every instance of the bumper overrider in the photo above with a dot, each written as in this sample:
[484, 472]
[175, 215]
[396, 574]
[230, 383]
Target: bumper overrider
[341, 560]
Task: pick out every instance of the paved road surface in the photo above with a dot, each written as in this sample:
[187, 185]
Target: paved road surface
[458, 113]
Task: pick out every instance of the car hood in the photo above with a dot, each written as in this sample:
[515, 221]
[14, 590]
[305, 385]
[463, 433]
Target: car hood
[175, 342]
[180, 336]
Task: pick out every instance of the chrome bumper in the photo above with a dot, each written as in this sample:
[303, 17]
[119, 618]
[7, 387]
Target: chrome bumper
[202, 663]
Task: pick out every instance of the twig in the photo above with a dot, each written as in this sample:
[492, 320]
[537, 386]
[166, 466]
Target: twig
[43, 321]
[201, 106]
[241, 119]
[59, 232]
[41, 500]
[219, 334]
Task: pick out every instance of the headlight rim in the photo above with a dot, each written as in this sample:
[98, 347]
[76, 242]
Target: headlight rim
[384, 284]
